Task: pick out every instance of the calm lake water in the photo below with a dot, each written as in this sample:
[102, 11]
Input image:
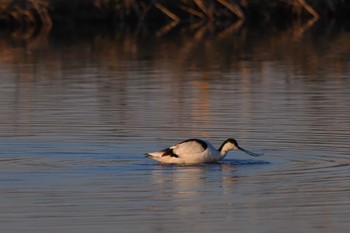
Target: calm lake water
[79, 110]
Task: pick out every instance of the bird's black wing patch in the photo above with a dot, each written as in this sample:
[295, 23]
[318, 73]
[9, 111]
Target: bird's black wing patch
[169, 152]
[201, 142]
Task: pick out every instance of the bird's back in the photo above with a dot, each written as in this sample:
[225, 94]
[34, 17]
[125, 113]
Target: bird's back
[191, 146]
[191, 151]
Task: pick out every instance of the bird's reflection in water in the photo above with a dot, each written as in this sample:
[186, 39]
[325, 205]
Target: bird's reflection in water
[194, 189]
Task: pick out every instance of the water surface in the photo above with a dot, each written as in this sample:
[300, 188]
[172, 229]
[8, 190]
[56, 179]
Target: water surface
[78, 112]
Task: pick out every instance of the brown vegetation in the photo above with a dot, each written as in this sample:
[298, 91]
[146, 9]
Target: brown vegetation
[46, 13]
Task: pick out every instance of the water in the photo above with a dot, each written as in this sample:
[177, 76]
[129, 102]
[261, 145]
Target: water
[79, 110]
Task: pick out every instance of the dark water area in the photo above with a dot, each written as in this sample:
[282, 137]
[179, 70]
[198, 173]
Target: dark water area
[79, 110]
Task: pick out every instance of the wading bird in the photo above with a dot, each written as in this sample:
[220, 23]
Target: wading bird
[196, 151]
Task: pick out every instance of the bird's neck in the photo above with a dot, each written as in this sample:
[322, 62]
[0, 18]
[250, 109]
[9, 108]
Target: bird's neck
[223, 149]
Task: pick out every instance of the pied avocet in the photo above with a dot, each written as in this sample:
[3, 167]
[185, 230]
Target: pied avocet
[196, 151]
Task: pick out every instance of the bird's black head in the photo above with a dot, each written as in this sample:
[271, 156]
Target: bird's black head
[232, 144]
[229, 144]
[231, 140]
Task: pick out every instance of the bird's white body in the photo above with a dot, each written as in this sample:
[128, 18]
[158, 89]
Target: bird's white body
[195, 151]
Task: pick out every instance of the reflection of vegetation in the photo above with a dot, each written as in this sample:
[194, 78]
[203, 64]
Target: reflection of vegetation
[325, 47]
[48, 12]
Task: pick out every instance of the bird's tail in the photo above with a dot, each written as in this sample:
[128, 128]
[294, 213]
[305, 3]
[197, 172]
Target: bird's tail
[156, 154]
